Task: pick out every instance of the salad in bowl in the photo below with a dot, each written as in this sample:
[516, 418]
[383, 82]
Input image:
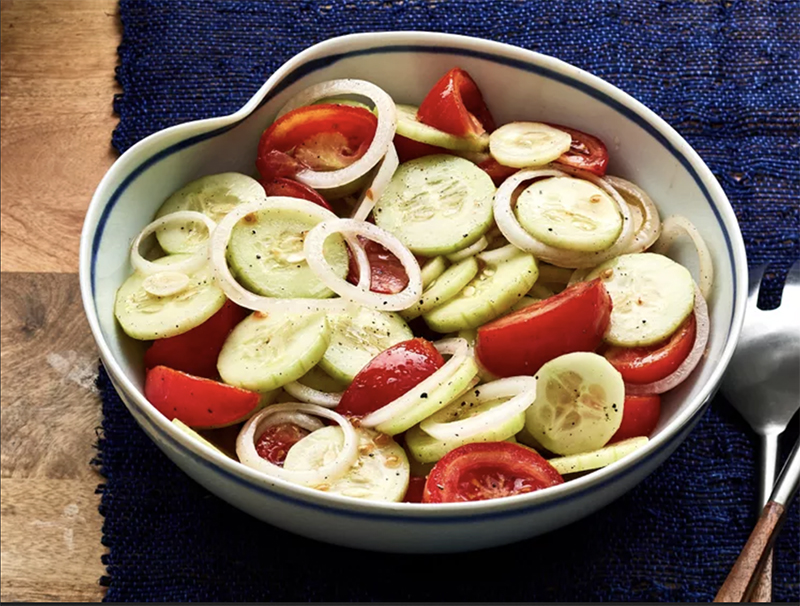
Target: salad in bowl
[416, 303]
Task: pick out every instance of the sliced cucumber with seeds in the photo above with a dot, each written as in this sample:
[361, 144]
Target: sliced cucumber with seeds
[266, 255]
[568, 213]
[318, 379]
[146, 317]
[437, 205]
[357, 337]
[596, 459]
[651, 296]
[526, 144]
[408, 126]
[489, 295]
[432, 269]
[265, 352]
[427, 449]
[214, 196]
[434, 401]
[443, 288]
[380, 473]
[578, 406]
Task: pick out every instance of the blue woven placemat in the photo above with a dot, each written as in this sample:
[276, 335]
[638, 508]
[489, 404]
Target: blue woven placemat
[725, 74]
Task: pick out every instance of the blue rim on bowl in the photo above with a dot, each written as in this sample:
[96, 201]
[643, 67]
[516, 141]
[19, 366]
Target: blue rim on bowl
[126, 170]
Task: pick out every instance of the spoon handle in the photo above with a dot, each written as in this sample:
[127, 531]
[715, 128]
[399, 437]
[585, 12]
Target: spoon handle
[762, 592]
[751, 561]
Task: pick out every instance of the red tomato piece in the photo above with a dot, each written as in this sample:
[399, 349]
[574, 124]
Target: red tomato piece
[639, 417]
[408, 149]
[455, 105]
[488, 470]
[320, 137]
[496, 171]
[416, 488]
[586, 152]
[195, 352]
[281, 186]
[200, 403]
[389, 375]
[387, 274]
[275, 442]
[520, 343]
[641, 365]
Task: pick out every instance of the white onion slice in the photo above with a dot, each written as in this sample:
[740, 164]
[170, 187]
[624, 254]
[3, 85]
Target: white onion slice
[300, 419]
[521, 391]
[382, 178]
[469, 251]
[635, 196]
[384, 132]
[196, 261]
[516, 234]
[313, 247]
[457, 348]
[364, 268]
[252, 430]
[250, 300]
[499, 255]
[688, 365]
[671, 229]
[309, 395]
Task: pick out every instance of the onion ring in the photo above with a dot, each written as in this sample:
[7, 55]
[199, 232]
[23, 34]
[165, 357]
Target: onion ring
[188, 265]
[688, 365]
[516, 234]
[522, 392]
[250, 300]
[382, 178]
[248, 456]
[635, 196]
[671, 229]
[313, 247]
[469, 251]
[459, 351]
[309, 395]
[378, 148]
[499, 255]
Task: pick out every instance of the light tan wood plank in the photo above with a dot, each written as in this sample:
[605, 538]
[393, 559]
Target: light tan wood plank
[57, 61]
[50, 539]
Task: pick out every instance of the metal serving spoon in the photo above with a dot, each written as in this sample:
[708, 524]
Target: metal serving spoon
[763, 381]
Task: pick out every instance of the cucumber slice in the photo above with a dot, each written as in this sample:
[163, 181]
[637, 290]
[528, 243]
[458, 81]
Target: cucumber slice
[357, 337]
[265, 253]
[427, 449]
[318, 379]
[588, 461]
[214, 196]
[489, 295]
[193, 434]
[380, 473]
[651, 296]
[443, 288]
[523, 303]
[437, 205]
[265, 352]
[436, 400]
[526, 144]
[408, 126]
[568, 213]
[146, 317]
[432, 269]
[578, 406]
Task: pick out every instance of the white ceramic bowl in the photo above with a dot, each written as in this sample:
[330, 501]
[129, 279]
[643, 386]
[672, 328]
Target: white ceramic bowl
[518, 84]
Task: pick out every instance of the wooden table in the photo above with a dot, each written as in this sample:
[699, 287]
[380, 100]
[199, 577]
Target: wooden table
[57, 64]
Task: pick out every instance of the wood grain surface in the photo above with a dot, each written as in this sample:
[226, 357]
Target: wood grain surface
[57, 86]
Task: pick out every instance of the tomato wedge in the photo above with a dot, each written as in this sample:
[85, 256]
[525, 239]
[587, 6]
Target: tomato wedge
[416, 489]
[408, 149]
[320, 137]
[195, 352]
[496, 171]
[455, 105]
[389, 375]
[274, 444]
[281, 186]
[200, 403]
[641, 365]
[586, 152]
[488, 470]
[639, 417]
[387, 274]
[520, 343]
